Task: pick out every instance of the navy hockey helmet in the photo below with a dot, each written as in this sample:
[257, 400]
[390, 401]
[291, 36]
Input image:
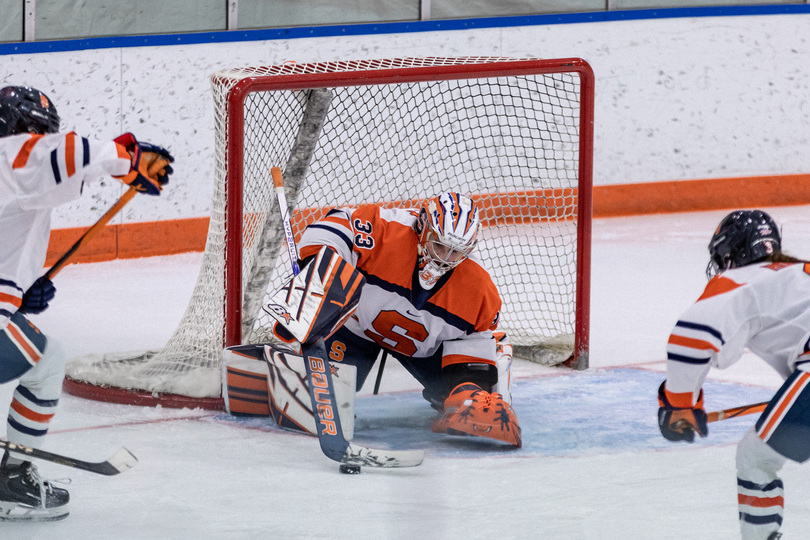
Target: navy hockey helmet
[743, 237]
[26, 110]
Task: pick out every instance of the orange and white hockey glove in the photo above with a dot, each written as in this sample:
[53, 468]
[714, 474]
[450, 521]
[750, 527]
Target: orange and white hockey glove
[472, 411]
[150, 168]
[680, 421]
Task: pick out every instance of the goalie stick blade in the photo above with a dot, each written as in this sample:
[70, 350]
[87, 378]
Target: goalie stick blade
[123, 460]
[386, 459]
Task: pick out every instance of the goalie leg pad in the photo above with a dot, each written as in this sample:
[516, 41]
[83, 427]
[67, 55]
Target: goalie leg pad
[244, 381]
[265, 381]
[290, 404]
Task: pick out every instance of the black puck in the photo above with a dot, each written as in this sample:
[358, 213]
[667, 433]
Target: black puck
[349, 469]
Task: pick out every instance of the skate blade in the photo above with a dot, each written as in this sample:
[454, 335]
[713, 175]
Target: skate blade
[11, 511]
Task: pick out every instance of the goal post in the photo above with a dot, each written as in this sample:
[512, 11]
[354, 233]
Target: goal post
[515, 134]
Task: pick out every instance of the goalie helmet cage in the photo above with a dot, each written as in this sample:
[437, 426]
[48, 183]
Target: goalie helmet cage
[515, 134]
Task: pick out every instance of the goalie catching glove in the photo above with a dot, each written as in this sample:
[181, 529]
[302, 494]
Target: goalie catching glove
[150, 167]
[680, 423]
[472, 411]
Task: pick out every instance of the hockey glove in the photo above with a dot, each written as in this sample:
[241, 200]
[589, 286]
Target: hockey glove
[472, 411]
[681, 423]
[150, 168]
[37, 297]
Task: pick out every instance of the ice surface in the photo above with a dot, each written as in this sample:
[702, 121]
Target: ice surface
[593, 465]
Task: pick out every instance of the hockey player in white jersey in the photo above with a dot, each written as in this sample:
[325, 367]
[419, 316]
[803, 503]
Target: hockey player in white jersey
[39, 170]
[757, 298]
[428, 303]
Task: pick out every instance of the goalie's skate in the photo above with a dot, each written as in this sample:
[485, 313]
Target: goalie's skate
[24, 496]
[469, 410]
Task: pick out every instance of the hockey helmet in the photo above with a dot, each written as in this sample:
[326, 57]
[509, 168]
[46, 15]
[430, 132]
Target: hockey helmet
[742, 238]
[26, 110]
[448, 231]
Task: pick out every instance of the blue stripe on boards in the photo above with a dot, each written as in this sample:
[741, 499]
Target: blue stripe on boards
[235, 36]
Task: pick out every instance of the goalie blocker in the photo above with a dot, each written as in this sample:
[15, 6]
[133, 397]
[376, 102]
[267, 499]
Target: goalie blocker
[265, 380]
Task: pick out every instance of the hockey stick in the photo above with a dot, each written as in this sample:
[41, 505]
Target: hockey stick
[122, 461]
[322, 390]
[91, 232]
[330, 434]
[380, 372]
[734, 412]
[278, 183]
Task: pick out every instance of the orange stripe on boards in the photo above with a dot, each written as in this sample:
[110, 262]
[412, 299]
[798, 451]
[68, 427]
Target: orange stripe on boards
[132, 240]
[184, 235]
[701, 195]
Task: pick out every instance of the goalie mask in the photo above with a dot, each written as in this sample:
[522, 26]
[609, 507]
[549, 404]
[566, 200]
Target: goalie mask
[26, 110]
[448, 230]
[743, 237]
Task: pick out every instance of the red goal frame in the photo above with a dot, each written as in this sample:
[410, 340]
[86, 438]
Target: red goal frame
[236, 102]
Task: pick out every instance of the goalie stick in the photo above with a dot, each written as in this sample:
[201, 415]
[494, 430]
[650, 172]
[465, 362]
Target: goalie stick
[123, 460]
[330, 433]
[322, 391]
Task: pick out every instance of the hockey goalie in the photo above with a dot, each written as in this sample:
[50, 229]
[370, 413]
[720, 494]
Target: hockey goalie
[402, 281]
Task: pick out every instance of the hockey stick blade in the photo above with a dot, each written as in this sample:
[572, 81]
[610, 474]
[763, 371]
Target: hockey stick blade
[327, 422]
[123, 460]
[386, 459]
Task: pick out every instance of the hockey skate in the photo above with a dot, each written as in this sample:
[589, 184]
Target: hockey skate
[24, 496]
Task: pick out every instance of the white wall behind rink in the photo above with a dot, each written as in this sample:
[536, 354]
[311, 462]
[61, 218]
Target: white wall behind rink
[676, 99]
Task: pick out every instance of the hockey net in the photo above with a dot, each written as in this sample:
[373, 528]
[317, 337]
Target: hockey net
[516, 134]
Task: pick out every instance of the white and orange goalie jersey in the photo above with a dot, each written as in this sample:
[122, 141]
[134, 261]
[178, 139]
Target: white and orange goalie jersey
[38, 173]
[764, 307]
[460, 312]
